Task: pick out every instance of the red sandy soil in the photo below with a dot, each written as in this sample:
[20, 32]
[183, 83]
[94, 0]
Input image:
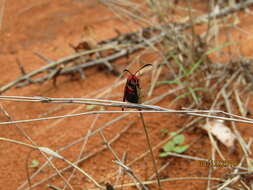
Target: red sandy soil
[49, 27]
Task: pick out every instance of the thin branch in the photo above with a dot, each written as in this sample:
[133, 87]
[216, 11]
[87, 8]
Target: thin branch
[159, 170]
[121, 172]
[50, 186]
[52, 65]
[131, 173]
[154, 109]
[121, 164]
[150, 149]
[80, 160]
[169, 180]
[56, 155]
[108, 124]
[119, 104]
[2, 9]
[85, 141]
[25, 78]
[23, 133]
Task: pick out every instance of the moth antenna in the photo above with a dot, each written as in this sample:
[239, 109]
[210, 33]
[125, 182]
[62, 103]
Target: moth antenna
[142, 68]
[125, 70]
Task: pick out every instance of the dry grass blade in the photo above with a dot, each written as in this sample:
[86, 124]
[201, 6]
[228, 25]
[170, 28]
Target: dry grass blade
[169, 180]
[85, 141]
[78, 161]
[154, 100]
[121, 164]
[2, 14]
[150, 149]
[56, 155]
[27, 77]
[150, 109]
[23, 133]
[130, 172]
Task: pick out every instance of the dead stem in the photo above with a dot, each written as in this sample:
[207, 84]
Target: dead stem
[45, 150]
[26, 79]
[150, 149]
[159, 170]
[50, 186]
[23, 133]
[121, 172]
[154, 100]
[27, 169]
[35, 147]
[198, 113]
[2, 13]
[120, 163]
[108, 124]
[85, 142]
[115, 138]
[131, 173]
[168, 180]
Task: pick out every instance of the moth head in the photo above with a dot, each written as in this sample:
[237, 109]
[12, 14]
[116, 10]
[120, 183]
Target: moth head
[132, 79]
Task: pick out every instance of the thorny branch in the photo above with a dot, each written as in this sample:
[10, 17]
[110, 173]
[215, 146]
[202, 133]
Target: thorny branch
[122, 46]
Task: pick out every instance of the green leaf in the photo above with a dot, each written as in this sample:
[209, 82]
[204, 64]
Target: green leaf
[178, 139]
[163, 154]
[173, 133]
[34, 164]
[181, 66]
[179, 97]
[90, 107]
[219, 48]
[164, 131]
[169, 146]
[194, 67]
[194, 95]
[210, 51]
[180, 149]
[167, 82]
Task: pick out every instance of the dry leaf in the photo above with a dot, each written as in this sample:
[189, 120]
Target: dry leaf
[221, 132]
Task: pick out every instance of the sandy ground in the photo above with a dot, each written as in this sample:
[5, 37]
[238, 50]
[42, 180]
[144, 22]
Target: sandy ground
[48, 28]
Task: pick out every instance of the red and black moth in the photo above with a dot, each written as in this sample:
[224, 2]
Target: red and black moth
[132, 87]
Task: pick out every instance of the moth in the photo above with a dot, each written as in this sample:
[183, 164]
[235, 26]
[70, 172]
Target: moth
[132, 87]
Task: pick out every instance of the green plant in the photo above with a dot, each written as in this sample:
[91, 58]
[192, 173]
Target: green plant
[188, 76]
[90, 107]
[174, 145]
[34, 164]
[164, 131]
